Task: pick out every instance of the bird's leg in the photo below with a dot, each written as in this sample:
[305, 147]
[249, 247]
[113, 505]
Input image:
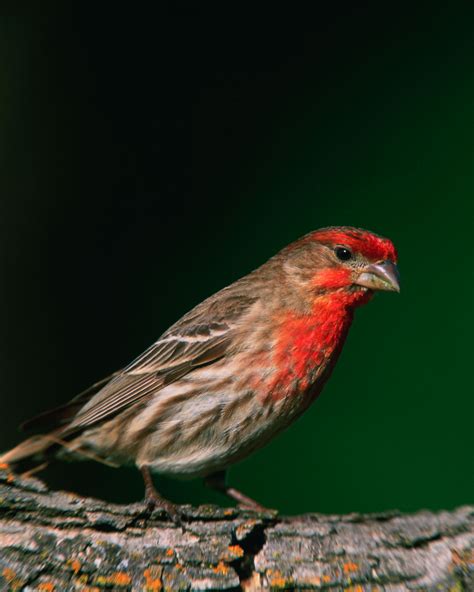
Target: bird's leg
[217, 481]
[154, 500]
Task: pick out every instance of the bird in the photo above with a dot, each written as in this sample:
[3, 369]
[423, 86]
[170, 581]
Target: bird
[230, 375]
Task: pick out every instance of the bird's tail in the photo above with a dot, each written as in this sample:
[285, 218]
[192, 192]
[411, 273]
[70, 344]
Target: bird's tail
[36, 452]
[57, 441]
[34, 448]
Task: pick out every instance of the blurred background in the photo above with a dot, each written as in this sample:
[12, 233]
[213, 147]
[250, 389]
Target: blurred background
[148, 160]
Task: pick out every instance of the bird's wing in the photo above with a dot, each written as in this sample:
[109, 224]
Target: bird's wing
[201, 337]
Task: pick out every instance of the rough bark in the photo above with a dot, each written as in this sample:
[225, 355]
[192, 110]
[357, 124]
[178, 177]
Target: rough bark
[56, 541]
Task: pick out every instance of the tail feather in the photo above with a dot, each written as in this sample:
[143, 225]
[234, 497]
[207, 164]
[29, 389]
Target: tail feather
[44, 446]
[36, 446]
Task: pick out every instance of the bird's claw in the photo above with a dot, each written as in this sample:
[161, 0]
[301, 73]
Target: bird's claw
[153, 502]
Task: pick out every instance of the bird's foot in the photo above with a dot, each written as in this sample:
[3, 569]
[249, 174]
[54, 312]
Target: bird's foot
[153, 501]
[244, 501]
[217, 481]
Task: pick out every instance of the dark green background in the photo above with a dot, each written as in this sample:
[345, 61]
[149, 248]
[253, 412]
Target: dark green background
[150, 159]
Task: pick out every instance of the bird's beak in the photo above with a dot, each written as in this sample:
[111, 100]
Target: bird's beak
[380, 276]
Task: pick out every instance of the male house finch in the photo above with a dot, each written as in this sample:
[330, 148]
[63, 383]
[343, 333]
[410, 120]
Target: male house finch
[232, 373]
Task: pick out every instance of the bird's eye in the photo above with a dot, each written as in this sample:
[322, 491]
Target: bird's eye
[343, 254]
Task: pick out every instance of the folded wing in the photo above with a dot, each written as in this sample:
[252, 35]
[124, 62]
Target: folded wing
[200, 338]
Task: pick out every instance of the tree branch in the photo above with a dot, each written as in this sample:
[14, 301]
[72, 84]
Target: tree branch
[56, 541]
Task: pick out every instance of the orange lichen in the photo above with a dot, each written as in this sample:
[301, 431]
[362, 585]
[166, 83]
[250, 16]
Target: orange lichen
[10, 478]
[170, 552]
[8, 574]
[178, 566]
[14, 582]
[276, 579]
[47, 587]
[152, 583]
[221, 568]
[119, 578]
[4, 466]
[326, 579]
[75, 566]
[228, 512]
[236, 550]
[350, 567]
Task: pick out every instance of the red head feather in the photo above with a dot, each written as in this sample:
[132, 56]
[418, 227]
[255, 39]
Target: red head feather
[368, 244]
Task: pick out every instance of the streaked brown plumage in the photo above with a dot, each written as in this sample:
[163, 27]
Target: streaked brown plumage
[233, 372]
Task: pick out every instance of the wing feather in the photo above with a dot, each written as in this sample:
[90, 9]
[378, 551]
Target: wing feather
[194, 341]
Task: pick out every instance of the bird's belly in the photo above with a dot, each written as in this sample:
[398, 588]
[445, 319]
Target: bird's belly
[188, 430]
[209, 441]
[209, 432]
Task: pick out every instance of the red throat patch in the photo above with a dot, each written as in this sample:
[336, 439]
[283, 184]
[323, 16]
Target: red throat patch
[332, 278]
[309, 345]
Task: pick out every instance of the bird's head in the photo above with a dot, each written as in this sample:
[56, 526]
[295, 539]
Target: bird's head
[349, 262]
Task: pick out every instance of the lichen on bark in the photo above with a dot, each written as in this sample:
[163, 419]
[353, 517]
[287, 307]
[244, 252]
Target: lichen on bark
[57, 541]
